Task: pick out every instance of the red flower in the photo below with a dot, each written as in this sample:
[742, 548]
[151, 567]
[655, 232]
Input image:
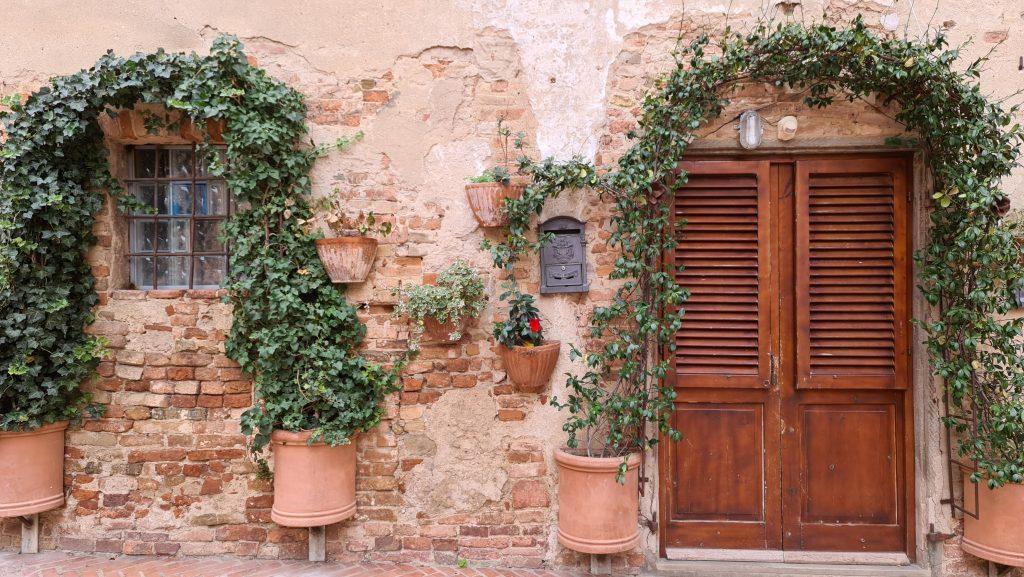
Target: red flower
[534, 325]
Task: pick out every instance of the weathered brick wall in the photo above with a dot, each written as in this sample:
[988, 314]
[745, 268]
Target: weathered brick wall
[461, 467]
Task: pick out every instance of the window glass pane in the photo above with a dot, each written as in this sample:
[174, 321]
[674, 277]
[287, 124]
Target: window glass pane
[212, 197]
[181, 162]
[209, 271]
[143, 192]
[144, 164]
[206, 236]
[175, 198]
[172, 235]
[142, 272]
[172, 271]
[206, 160]
[176, 236]
[143, 235]
[163, 163]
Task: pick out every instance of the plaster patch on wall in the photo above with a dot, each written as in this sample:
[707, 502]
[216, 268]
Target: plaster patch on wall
[469, 448]
[446, 164]
[568, 47]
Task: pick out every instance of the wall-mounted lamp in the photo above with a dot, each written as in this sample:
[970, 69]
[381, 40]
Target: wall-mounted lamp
[751, 129]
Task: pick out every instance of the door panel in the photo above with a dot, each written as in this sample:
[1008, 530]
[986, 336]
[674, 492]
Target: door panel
[844, 446]
[721, 471]
[723, 480]
[851, 273]
[723, 252]
[845, 489]
[729, 455]
[792, 368]
[849, 464]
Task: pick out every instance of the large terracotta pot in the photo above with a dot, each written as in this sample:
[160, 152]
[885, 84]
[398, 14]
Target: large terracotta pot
[595, 513]
[530, 368]
[32, 470]
[314, 484]
[347, 259]
[998, 532]
[486, 200]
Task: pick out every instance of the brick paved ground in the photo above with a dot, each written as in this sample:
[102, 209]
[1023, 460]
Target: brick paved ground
[60, 564]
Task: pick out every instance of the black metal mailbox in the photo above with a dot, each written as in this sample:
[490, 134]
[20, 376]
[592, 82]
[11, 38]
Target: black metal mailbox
[563, 259]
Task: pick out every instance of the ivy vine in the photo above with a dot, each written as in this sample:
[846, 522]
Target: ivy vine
[966, 271]
[293, 331]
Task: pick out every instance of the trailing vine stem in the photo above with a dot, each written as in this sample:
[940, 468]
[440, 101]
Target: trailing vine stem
[966, 272]
[293, 332]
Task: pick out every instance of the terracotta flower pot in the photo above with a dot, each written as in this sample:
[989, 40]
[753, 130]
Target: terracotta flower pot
[486, 200]
[347, 259]
[32, 469]
[595, 513]
[314, 484]
[997, 534]
[439, 332]
[530, 368]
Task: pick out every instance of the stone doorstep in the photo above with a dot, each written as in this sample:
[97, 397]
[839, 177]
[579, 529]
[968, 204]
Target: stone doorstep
[667, 568]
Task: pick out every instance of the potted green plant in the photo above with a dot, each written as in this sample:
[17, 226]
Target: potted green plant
[311, 424]
[529, 358]
[348, 255]
[488, 191]
[441, 307]
[40, 397]
[987, 418]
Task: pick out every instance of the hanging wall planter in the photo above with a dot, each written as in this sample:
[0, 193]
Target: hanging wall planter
[439, 332]
[32, 470]
[440, 308]
[347, 259]
[596, 514]
[996, 533]
[487, 199]
[530, 368]
[529, 358]
[314, 484]
[348, 256]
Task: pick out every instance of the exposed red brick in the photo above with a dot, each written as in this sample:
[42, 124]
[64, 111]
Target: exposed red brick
[528, 493]
[156, 455]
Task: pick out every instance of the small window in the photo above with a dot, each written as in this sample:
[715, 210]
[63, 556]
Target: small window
[176, 245]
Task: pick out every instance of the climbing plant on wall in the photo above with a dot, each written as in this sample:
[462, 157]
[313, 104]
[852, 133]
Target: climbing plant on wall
[966, 270]
[293, 332]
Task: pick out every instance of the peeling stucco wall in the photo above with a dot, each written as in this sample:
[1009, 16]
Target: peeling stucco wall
[462, 467]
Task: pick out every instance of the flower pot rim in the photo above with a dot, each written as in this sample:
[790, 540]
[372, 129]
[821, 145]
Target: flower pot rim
[45, 429]
[544, 345]
[594, 464]
[285, 437]
[357, 239]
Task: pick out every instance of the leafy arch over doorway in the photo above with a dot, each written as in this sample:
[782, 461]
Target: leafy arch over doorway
[293, 332]
[966, 271]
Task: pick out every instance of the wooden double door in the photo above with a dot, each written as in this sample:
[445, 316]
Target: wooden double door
[792, 364]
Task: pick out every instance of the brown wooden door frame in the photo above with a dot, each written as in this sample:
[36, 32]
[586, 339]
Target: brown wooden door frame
[783, 316]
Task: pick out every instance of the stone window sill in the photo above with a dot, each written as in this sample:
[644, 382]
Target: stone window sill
[137, 295]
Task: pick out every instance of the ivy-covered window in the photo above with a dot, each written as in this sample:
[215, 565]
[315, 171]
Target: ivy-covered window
[176, 244]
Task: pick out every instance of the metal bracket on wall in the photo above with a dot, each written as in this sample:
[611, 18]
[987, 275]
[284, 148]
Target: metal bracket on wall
[934, 536]
[967, 419]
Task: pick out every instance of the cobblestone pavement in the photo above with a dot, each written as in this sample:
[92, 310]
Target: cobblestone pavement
[62, 564]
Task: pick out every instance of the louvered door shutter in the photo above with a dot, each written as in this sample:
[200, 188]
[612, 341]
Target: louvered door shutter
[851, 274]
[723, 341]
